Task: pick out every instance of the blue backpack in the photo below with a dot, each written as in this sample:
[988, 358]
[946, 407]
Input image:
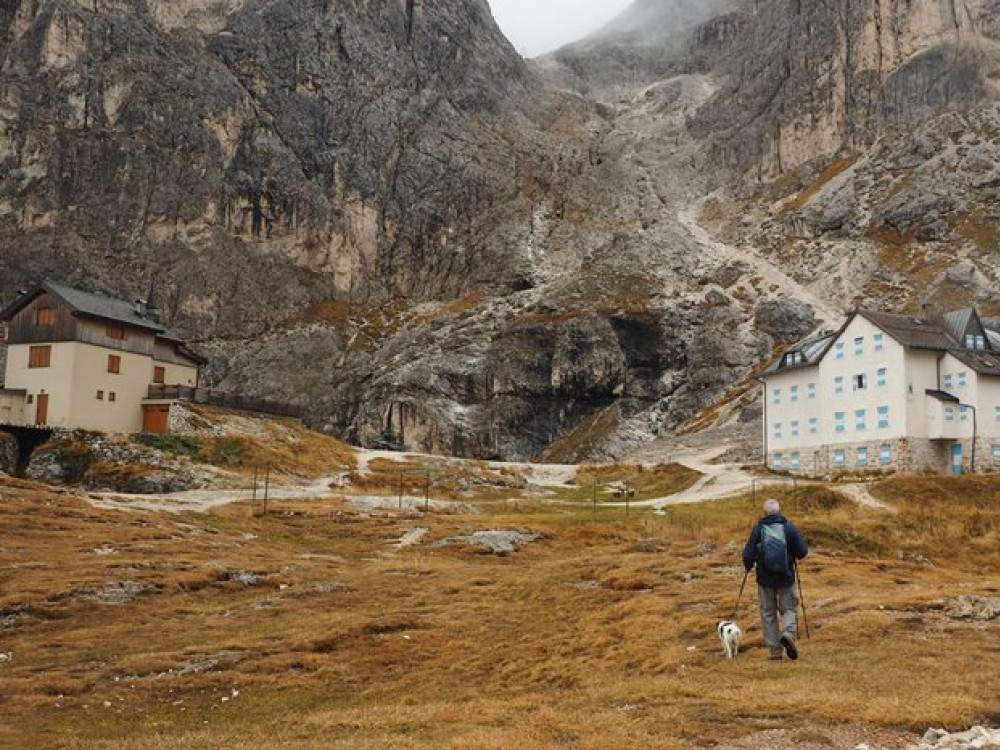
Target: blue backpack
[772, 549]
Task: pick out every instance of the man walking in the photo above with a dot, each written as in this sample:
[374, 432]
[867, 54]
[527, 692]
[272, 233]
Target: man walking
[774, 546]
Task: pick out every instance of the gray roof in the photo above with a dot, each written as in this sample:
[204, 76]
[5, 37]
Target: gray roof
[942, 396]
[85, 303]
[918, 333]
[983, 362]
[944, 333]
[957, 321]
[810, 349]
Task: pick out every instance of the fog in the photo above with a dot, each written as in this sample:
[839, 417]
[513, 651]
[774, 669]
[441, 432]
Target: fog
[539, 26]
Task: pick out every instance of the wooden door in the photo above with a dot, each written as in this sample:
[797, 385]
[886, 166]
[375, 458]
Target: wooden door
[42, 408]
[154, 419]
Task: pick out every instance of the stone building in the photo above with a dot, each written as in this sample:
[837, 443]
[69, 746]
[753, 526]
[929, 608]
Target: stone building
[80, 360]
[887, 392]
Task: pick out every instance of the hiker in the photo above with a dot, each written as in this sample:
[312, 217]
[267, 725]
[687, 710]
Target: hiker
[774, 546]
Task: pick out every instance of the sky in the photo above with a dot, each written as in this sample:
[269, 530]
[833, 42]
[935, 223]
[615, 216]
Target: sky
[539, 26]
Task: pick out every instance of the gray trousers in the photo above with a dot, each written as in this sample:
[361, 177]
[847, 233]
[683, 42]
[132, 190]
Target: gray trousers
[775, 602]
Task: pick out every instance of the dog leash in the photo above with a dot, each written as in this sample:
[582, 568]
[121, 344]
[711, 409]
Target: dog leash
[740, 597]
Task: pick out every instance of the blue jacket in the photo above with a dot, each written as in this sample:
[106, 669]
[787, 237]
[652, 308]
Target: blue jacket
[797, 549]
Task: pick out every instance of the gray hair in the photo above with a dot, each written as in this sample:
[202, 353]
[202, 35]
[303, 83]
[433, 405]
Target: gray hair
[771, 507]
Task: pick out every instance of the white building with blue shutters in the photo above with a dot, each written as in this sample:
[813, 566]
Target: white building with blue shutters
[887, 392]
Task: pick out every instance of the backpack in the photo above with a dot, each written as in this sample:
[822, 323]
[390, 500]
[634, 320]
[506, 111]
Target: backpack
[772, 549]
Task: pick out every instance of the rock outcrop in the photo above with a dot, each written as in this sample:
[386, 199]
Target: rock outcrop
[379, 212]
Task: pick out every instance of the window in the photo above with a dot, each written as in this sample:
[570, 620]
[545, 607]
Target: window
[859, 420]
[883, 417]
[839, 458]
[996, 454]
[862, 456]
[777, 395]
[948, 381]
[116, 331]
[31, 398]
[885, 454]
[838, 351]
[793, 393]
[811, 390]
[114, 364]
[100, 395]
[963, 413]
[777, 429]
[963, 379]
[795, 461]
[838, 384]
[43, 316]
[776, 462]
[981, 343]
[860, 382]
[996, 413]
[813, 425]
[879, 342]
[949, 414]
[159, 374]
[970, 341]
[795, 428]
[111, 396]
[859, 346]
[838, 421]
[40, 356]
[882, 376]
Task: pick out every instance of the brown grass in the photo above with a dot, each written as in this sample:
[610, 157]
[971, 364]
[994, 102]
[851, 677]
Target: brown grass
[580, 443]
[443, 478]
[832, 170]
[283, 443]
[600, 635]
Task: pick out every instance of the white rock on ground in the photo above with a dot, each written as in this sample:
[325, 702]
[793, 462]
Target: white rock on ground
[972, 739]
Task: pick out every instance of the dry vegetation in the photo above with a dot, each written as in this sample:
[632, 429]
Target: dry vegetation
[240, 441]
[448, 479]
[601, 635]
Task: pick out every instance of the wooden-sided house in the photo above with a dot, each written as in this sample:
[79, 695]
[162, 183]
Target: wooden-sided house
[83, 361]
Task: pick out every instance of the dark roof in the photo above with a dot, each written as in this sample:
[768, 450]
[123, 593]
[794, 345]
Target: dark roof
[811, 349]
[918, 333]
[983, 362]
[943, 333]
[957, 322]
[85, 303]
[942, 396]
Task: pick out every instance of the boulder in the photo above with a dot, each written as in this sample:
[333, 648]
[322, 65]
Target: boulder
[785, 320]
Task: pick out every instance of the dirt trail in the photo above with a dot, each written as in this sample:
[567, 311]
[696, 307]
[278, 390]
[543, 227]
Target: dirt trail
[860, 493]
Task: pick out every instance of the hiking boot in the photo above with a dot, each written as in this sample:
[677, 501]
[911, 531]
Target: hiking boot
[789, 643]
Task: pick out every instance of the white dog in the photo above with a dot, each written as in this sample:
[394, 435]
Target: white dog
[730, 634]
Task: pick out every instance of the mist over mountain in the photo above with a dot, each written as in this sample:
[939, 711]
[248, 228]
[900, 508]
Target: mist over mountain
[380, 212]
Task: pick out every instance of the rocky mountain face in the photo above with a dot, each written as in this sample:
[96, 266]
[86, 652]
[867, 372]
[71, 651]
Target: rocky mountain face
[378, 211]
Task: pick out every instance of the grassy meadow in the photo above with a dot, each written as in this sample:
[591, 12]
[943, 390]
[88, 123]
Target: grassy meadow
[312, 628]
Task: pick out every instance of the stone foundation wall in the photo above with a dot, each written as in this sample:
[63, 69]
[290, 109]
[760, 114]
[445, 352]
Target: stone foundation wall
[906, 454]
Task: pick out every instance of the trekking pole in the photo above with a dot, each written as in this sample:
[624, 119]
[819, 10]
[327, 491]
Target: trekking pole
[740, 597]
[802, 601]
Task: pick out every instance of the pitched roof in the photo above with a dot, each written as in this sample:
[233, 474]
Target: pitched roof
[918, 333]
[983, 362]
[944, 333]
[957, 322]
[85, 303]
[810, 349]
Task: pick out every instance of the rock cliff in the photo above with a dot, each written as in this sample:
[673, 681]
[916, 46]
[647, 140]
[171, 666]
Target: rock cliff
[378, 211]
